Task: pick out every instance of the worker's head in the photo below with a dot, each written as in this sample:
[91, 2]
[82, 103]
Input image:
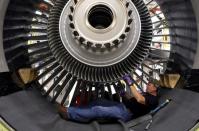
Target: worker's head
[151, 88]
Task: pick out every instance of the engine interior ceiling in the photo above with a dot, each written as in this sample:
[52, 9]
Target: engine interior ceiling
[90, 45]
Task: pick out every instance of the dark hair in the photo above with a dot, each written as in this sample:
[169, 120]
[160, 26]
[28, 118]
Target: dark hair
[154, 82]
[156, 85]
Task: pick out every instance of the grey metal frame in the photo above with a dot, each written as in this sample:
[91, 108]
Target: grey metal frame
[3, 63]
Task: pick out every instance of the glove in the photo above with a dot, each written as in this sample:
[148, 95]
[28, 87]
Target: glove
[129, 80]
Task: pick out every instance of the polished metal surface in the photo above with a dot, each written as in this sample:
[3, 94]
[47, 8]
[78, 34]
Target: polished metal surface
[100, 36]
[100, 47]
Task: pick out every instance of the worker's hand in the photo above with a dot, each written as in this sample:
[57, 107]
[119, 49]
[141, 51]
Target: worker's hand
[129, 80]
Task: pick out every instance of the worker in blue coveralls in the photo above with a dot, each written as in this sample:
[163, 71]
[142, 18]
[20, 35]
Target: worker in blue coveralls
[139, 104]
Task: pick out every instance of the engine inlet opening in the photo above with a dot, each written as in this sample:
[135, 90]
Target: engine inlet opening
[100, 17]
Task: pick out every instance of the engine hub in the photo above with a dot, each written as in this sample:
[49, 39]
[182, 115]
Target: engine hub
[91, 38]
[100, 31]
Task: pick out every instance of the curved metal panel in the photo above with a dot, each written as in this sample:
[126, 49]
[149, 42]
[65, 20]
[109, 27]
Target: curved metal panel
[195, 4]
[3, 63]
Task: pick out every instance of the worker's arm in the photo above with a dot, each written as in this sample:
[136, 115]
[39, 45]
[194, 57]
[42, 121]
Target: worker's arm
[139, 97]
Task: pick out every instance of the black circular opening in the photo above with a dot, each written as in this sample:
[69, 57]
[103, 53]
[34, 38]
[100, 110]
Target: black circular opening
[100, 17]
